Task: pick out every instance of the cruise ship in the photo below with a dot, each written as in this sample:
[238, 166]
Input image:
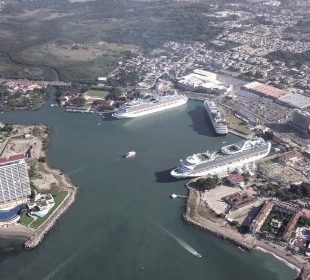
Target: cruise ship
[225, 160]
[217, 119]
[141, 107]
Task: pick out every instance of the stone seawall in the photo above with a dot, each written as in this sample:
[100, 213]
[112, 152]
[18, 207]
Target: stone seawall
[207, 228]
[40, 233]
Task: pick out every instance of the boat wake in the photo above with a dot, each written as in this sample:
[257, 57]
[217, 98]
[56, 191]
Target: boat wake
[183, 244]
[58, 268]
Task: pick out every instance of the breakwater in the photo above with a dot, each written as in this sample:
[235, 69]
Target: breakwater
[40, 233]
[224, 235]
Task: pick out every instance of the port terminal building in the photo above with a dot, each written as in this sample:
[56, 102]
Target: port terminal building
[202, 81]
[265, 90]
[295, 100]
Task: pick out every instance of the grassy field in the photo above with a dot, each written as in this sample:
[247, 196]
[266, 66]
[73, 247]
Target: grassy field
[97, 93]
[278, 171]
[58, 198]
[236, 124]
[25, 219]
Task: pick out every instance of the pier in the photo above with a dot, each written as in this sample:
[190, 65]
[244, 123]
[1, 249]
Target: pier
[80, 110]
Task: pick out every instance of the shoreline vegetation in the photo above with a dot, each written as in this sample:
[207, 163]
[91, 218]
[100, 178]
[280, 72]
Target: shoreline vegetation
[199, 215]
[34, 234]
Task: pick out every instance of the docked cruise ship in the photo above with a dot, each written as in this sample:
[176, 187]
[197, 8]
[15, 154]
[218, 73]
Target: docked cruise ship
[217, 119]
[224, 161]
[141, 107]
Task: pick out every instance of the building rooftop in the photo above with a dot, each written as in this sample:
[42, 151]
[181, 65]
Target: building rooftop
[266, 90]
[10, 159]
[14, 180]
[202, 79]
[291, 226]
[261, 216]
[296, 100]
[235, 179]
[290, 156]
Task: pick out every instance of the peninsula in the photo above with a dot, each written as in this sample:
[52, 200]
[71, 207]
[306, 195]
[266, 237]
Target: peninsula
[38, 194]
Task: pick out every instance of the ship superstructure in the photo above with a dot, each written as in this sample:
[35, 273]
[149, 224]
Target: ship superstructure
[223, 161]
[141, 107]
[217, 119]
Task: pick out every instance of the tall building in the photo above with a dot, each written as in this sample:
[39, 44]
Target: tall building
[14, 181]
[301, 122]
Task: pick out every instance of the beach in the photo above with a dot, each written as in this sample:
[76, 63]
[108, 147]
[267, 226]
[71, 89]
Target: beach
[17, 231]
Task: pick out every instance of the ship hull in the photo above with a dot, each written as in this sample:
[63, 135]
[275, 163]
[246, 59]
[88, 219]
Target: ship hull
[151, 110]
[219, 131]
[226, 167]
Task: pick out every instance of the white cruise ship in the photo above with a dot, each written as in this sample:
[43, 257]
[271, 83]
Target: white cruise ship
[225, 160]
[217, 119]
[141, 107]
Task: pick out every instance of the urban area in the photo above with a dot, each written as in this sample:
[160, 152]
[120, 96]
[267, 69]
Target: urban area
[257, 73]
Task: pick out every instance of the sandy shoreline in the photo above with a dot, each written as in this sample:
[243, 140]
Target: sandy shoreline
[16, 232]
[279, 258]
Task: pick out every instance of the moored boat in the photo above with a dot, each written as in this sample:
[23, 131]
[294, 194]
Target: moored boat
[223, 161]
[140, 107]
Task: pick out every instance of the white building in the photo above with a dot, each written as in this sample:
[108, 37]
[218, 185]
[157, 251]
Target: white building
[14, 181]
[201, 80]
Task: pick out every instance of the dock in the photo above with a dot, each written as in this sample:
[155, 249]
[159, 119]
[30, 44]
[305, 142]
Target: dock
[83, 111]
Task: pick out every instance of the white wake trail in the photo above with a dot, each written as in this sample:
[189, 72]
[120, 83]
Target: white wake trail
[182, 243]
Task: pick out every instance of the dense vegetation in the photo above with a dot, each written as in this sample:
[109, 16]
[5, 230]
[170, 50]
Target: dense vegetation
[204, 184]
[280, 216]
[294, 192]
[121, 25]
[284, 193]
[19, 100]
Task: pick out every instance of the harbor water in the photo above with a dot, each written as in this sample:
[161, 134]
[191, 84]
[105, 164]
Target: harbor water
[123, 224]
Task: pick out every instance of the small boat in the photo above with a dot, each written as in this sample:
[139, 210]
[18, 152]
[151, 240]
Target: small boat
[129, 154]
